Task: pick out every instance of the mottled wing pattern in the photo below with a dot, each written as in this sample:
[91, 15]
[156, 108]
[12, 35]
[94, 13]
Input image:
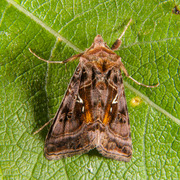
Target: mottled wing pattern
[68, 134]
[115, 137]
[93, 112]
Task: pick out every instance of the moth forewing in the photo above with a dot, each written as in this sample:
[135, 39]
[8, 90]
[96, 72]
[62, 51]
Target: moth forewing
[68, 134]
[115, 138]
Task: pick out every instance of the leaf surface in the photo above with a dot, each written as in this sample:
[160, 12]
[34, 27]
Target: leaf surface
[31, 90]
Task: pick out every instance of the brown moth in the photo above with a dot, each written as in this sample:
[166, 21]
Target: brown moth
[93, 112]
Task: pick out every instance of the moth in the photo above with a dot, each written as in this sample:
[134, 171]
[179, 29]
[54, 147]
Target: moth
[93, 112]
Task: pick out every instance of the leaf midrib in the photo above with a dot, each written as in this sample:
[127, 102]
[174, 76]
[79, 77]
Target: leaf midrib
[57, 35]
[49, 29]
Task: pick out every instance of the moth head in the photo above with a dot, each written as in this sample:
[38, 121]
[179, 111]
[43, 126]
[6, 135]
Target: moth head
[99, 42]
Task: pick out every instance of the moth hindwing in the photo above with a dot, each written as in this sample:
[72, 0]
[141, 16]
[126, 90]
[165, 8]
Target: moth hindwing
[93, 113]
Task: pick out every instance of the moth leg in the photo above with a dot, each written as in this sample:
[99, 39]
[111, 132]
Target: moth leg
[60, 62]
[43, 126]
[118, 42]
[127, 75]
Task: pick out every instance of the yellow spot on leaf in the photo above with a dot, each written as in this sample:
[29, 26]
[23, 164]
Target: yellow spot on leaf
[136, 101]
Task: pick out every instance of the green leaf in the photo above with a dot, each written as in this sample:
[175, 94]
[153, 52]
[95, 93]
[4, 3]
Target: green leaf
[31, 90]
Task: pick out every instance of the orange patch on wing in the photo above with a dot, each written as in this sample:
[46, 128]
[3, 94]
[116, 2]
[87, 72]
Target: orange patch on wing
[88, 117]
[88, 114]
[107, 117]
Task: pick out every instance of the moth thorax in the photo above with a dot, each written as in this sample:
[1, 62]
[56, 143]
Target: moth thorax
[98, 41]
[101, 85]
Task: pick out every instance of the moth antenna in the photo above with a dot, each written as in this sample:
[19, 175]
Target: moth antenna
[42, 127]
[61, 62]
[143, 84]
[72, 58]
[117, 43]
[125, 29]
[58, 62]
